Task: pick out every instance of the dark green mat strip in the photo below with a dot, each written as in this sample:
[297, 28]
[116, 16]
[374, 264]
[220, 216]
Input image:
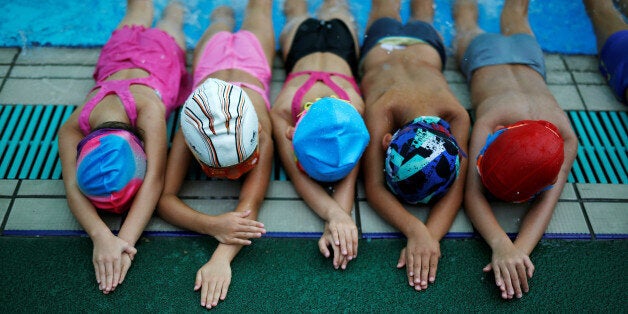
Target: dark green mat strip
[28, 144]
[55, 275]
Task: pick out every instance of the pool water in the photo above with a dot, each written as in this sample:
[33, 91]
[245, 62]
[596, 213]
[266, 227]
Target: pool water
[561, 26]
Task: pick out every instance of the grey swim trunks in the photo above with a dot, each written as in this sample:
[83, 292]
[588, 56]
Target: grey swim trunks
[494, 49]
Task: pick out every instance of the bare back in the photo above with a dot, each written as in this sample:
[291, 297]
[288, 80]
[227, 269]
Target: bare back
[410, 80]
[504, 94]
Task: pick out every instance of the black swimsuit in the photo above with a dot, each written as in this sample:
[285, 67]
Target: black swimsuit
[322, 36]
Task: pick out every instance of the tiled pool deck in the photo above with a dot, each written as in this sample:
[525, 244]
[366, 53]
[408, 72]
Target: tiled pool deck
[62, 76]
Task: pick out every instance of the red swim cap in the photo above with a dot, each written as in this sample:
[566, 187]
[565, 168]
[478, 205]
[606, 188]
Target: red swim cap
[521, 160]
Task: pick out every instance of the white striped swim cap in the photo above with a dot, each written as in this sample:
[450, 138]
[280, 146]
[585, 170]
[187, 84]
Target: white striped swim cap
[219, 123]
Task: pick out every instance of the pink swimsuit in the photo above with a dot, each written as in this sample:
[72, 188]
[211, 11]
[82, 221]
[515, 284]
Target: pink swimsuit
[241, 51]
[137, 47]
[318, 76]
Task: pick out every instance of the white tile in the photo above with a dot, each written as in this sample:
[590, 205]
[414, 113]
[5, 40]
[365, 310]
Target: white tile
[361, 193]
[52, 71]
[7, 187]
[559, 78]
[7, 55]
[509, 215]
[608, 218]
[4, 69]
[4, 206]
[461, 91]
[288, 216]
[207, 189]
[567, 220]
[277, 61]
[568, 193]
[582, 63]
[41, 188]
[600, 98]
[566, 96]
[33, 214]
[589, 78]
[278, 75]
[554, 62]
[282, 189]
[452, 63]
[49, 91]
[212, 206]
[603, 191]
[454, 76]
[55, 55]
[156, 224]
[275, 88]
[231, 189]
[373, 224]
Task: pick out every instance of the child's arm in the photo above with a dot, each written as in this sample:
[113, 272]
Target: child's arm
[214, 278]
[538, 217]
[344, 194]
[153, 125]
[510, 262]
[421, 245]
[511, 265]
[340, 222]
[108, 251]
[444, 211]
[229, 228]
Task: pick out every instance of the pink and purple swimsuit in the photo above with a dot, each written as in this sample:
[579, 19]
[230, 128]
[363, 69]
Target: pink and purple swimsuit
[137, 47]
[240, 51]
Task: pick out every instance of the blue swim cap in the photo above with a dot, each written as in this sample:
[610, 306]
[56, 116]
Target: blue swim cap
[329, 139]
[422, 160]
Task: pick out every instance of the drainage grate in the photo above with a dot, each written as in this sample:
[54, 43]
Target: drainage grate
[28, 141]
[28, 144]
[603, 147]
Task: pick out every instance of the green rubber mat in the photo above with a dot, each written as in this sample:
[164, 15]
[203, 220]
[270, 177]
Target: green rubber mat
[28, 144]
[55, 275]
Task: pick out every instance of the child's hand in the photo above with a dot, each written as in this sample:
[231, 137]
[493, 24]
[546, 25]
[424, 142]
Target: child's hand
[213, 279]
[512, 269]
[235, 228]
[127, 259]
[326, 241]
[342, 234]
[109, 262]
[420, 257]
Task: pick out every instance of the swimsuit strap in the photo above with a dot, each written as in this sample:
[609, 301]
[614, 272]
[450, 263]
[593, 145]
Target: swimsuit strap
[318, 76]
[255, 88]
[121, 89]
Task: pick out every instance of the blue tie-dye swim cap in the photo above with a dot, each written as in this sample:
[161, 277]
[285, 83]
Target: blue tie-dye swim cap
[110, 168]
[422, 160]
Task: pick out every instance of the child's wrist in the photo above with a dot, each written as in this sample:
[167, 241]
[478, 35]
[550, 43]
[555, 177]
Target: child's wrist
[100, 233]
[500, 243]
